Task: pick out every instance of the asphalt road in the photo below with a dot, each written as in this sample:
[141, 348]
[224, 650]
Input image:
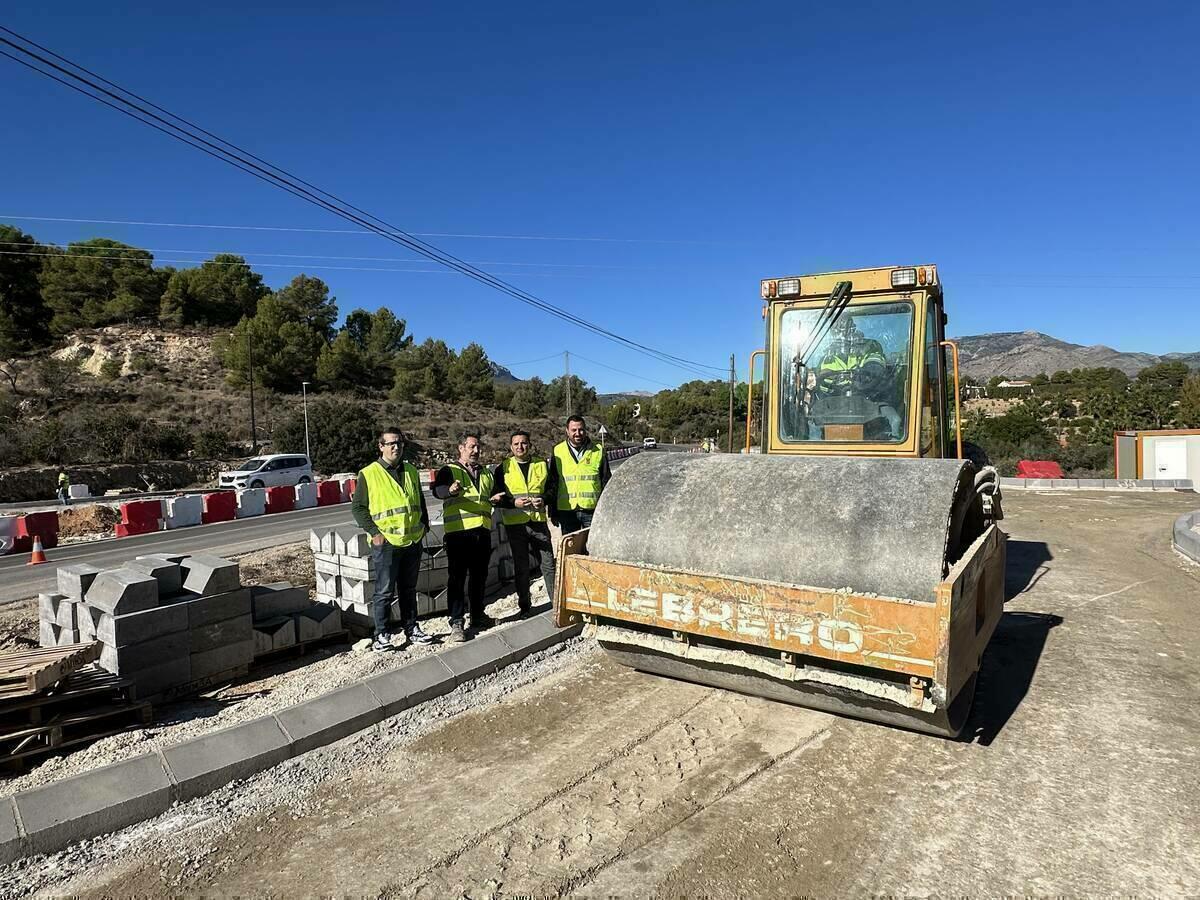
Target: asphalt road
[1080, 774]
[19, 580]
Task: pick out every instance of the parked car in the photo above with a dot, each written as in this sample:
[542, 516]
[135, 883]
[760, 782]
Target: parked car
[649, 443]
[278, 469]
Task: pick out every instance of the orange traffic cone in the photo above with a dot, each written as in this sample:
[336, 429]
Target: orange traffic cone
[38, 556]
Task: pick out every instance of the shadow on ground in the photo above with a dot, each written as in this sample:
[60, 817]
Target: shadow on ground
[1027, 562]
[1007, 671]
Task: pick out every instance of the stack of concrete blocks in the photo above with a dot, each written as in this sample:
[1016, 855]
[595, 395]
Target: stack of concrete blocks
[251, 502]
[346, 577]
[170, 624]
[183, 512]
[306, 496]
[284, 616]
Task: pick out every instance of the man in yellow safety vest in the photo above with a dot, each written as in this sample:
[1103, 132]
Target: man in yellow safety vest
[467, 492]
[521, 479]
[389, 505]
[578, 473]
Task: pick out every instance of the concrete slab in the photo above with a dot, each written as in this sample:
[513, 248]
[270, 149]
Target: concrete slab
[123, 591]
[411, 683]
[536, 633]
[269, 601]
[479, 656]
[121, 631]
[330, 717]
[168, 574]
[206, 763]
[206, 574]
[220, 634]
[93, 803]
[74, 580]
[144, 655]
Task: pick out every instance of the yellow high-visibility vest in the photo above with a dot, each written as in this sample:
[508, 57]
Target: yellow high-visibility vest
[472, 508]
[395, 507]
[514, 481]
[578, 482]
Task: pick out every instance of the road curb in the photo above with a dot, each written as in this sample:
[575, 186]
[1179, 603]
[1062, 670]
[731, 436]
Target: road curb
[1098, 484]
[1185, 538]
[50, 817]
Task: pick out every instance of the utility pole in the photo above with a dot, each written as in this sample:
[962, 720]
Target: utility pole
[732, 385]
[250, 355]
[304, 394]
[567, 365]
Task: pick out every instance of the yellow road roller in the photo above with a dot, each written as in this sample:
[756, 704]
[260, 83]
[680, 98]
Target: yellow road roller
[851, 561]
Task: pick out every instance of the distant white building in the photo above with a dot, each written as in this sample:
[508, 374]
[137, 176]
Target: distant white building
[1016, 384]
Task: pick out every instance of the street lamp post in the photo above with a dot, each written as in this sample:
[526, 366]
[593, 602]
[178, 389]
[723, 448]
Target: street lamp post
[304, 394]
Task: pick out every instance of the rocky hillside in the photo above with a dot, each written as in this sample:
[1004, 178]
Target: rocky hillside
[1026, 353]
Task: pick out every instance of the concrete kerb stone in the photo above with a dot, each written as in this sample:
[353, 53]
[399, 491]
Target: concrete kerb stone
[74, 580]
[1185, 538]
[206, 574]
[92, 803]
[48, 818]
[122, 591]
[202, 765]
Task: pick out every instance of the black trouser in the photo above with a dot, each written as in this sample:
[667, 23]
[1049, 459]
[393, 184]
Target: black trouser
[396, 573]
[525, 540]
[574, 519]
[468, 553]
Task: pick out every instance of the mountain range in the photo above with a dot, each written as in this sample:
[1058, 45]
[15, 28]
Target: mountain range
[1027, 353]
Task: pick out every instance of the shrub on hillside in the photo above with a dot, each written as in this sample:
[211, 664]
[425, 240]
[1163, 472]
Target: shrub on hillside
[211, 443]
[343, 435]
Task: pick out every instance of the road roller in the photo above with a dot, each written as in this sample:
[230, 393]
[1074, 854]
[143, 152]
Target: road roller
[850, 560]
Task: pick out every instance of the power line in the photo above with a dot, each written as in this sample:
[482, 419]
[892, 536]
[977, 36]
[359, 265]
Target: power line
[281, 178]
[449, 234]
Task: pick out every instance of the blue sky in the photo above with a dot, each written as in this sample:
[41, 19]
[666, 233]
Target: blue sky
[649, 163]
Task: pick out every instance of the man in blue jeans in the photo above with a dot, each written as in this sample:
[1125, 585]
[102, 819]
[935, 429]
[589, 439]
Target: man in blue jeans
[390, 506]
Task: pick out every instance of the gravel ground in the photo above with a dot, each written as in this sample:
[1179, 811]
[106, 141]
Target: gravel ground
[265, 690]
[182, 838]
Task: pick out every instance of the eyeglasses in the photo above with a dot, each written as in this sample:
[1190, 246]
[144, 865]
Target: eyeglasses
[391, 443]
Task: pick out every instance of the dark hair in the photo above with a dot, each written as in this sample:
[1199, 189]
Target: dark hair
[524, 434]
[462, 438]
[578, 419]
[391, 429]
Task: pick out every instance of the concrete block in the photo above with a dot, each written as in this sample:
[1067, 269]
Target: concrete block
[85, 620]
[47, 634]
[176, 558]
[74, 580]
[223, 659]
[1039, 483]
[357, 590]
[1064, 482]
[350, 540]
[136, 628]
[168, 574]
[144, 655]
[48, 605]
[329, 584]
[205, 574]
[328, 543]
[95, 802]
[326, 563]
[215, 607]
[78, 491]
[251, 502]
[1144, 483]
[537, 633]
[123, 591]
[67, 636]
[306, 497]
[1091, 483]
[210, 761]
[270, 601]
[274, 634]
[162, 678]
[307, 629]
[1184, 484]
[411, 683]
[183, 512]
[327, 617]
[220, 634]
[356, 567]
[484, 654]
[316, 539]
[431, 581]
[330, 717]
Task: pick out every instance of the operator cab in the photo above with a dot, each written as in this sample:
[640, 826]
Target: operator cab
[855, 364]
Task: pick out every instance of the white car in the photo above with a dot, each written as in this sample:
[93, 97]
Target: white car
[276, 470]
[649, 443]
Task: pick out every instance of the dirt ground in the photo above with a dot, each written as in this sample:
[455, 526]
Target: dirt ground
[1079, 775]
[87, 522]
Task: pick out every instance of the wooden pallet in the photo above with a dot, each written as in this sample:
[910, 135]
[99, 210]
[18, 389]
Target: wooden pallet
[63, 731]
[33, 671]
[88, 687]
